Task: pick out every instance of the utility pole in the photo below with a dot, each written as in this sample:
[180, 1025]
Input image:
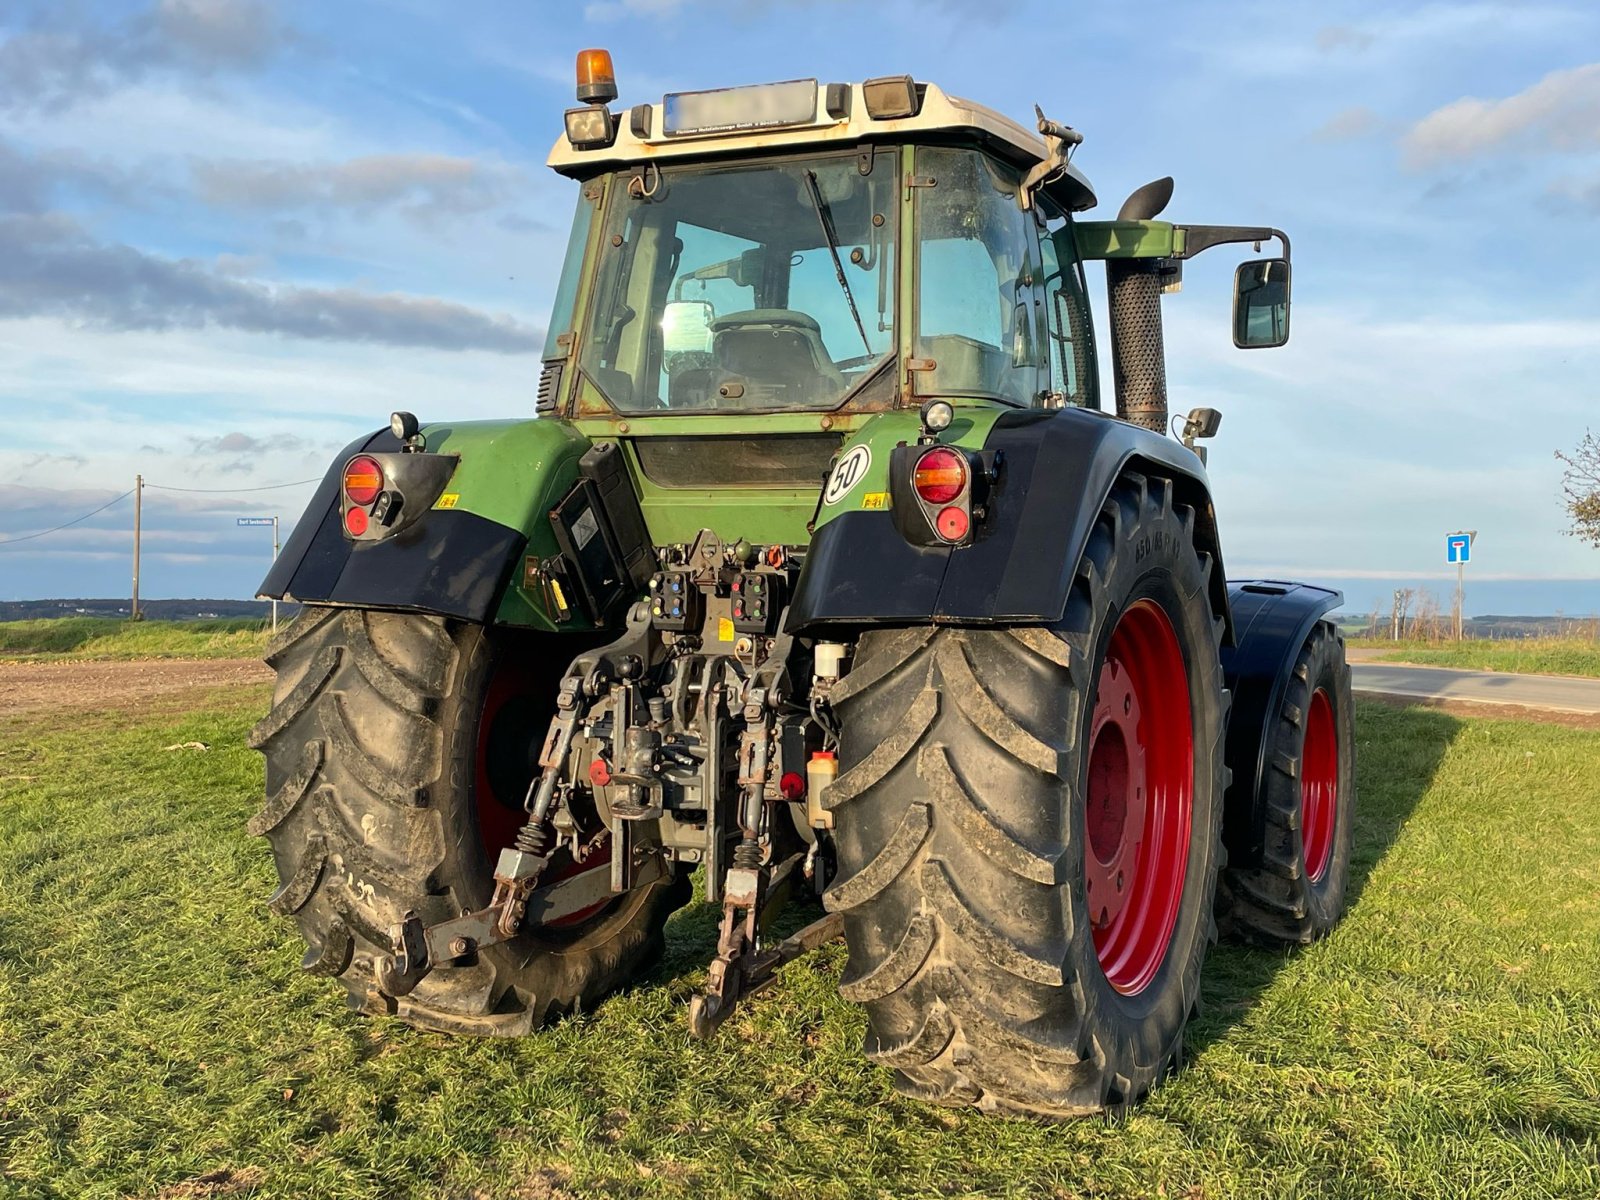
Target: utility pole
[138, 513]
[273, 521]
[274, 559]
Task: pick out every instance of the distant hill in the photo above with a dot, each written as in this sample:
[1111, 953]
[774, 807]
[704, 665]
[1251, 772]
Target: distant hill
[1493, 627]
[156, 610]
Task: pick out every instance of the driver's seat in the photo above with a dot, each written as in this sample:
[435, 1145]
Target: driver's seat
[777, 353]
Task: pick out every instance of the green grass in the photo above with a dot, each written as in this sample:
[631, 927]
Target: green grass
[155, 1026]
[110, 638]
[1531, 656]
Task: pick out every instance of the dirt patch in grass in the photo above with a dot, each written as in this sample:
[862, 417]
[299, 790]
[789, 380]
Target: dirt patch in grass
[1498, 712]
[223, 1182]
[101, 686]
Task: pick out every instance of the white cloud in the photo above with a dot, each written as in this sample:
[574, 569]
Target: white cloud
[614, 10]
[1347, 125]
[54, 64]
[423, 185]
[1343, 37]
[1559, 113]
[50, 266]
[1399, 34]
[55, 378]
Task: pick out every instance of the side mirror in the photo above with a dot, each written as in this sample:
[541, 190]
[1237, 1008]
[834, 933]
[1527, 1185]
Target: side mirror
[686, 327]
[750, 266]
[1261, 304]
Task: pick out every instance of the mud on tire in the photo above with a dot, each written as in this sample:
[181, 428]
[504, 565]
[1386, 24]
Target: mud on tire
[1297, 894]
[372, 751]
[960, 825]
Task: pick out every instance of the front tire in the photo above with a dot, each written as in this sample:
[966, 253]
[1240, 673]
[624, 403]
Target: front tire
[981, 793]
[1297, 894]
[398, 747]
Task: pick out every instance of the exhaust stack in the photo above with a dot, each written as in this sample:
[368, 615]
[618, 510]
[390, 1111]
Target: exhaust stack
[1138, 353]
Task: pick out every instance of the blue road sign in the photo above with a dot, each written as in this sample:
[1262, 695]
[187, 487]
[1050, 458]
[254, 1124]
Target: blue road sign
[1457, 548]
[268, 521]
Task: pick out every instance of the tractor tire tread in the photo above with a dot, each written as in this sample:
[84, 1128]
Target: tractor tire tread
[366, 753]
[1275, 904]
[956, 915]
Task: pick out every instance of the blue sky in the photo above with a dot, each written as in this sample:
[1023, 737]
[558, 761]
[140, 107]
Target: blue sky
[234, 234]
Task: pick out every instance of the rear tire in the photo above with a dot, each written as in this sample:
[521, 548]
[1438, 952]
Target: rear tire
[963, 836]
[1297, 895]
[374, 793]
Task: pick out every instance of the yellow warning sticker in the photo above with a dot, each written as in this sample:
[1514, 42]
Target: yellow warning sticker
[724, 629]
[448, 500]
[875, 500]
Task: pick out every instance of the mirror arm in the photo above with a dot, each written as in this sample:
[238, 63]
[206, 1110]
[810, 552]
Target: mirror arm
[1203, 237]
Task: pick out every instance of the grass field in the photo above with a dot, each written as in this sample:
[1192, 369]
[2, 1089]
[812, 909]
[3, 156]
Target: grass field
[109, 638]
[157, 1037]
[1536, 656]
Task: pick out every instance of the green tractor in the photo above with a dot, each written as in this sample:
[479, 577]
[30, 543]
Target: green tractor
[822, 567]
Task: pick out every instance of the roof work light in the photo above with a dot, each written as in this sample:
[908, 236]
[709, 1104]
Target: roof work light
[891, 96]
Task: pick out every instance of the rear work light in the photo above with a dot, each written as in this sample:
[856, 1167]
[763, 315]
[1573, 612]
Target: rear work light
[890, 96]
[941, 475]
[363, 480]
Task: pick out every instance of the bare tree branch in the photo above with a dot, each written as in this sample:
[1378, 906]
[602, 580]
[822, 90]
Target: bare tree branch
[1580, 488]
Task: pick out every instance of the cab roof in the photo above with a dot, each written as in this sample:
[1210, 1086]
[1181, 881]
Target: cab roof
[642, 137]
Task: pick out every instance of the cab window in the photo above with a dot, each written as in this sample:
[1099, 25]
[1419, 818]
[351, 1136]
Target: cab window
[980, 300]
[1073, 371]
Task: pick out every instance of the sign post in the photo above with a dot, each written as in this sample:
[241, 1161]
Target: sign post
[1458, 550]
[273, 521]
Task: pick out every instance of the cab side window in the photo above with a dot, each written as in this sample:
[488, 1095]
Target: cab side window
[979, 293]
[1073, 372]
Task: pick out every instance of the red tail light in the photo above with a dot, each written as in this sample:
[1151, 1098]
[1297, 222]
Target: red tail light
[363, 480]
[952, 523]
[941, 475]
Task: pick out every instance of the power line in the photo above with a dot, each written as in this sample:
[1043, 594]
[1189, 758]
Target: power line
[28, 537]
[271, 487]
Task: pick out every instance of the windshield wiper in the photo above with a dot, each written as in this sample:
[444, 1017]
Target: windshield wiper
[826, 222]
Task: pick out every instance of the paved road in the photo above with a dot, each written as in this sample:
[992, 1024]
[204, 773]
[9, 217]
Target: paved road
[1554, 692]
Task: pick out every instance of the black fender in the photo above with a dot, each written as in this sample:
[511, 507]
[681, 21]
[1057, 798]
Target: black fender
[447, 562]
[1056, 469]
[1272, 621]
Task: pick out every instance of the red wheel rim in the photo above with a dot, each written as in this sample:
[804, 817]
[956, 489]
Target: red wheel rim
[507, 743]
[1139, 802]
[1319, 785]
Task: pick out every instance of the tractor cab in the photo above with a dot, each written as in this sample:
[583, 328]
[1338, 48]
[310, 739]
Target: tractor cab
[806, 247]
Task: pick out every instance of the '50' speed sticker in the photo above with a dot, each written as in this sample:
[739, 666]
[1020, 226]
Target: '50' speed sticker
[847, 472]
